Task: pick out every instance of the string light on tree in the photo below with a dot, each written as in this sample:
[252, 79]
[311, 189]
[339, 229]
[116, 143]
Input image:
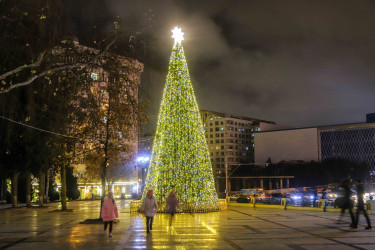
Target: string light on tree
[180, 157]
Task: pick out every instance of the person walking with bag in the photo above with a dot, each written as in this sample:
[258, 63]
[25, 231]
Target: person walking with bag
[172, 205]
[361, 205]
[109, 213]
[149, 207]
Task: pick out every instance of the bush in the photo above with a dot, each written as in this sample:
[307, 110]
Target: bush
[72, 191]
[52, 193]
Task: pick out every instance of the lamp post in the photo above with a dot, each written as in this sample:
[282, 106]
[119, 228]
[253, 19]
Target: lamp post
[143, 160]
[226, 178]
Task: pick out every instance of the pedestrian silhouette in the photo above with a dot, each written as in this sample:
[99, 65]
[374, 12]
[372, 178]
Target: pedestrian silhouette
[347, 202]
[149, 207]
[172, 205]
[361, 205]
[109, 212]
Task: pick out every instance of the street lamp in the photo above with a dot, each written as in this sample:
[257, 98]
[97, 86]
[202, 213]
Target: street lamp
[143, 160]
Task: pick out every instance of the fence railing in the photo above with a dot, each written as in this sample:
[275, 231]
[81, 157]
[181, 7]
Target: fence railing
[135, 207]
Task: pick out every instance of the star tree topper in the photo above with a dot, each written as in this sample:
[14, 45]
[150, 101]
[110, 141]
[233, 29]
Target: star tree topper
[178, 35]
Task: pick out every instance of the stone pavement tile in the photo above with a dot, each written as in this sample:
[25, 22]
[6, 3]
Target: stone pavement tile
[358, 239]
[265, 225]
[279, 235]
[367, 246]
[324, 247]
[264, 245]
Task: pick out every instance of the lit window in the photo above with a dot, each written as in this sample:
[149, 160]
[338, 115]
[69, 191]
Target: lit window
[222, 129]
[94, 76]
[247, 148]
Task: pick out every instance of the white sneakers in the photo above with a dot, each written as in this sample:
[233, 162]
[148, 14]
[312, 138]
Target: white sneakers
[110, 234]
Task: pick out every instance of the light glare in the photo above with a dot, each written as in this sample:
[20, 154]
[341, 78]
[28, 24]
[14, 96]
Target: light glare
[178, 35]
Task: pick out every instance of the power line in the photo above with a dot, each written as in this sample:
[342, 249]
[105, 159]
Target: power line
[42, 130]
[54, 133]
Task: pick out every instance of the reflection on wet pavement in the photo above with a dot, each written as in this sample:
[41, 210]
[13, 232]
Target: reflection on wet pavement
[235, 228]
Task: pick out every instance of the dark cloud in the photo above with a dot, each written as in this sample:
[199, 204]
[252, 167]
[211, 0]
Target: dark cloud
[299, 63]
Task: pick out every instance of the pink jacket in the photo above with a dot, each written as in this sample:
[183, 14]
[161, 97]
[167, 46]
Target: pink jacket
[109, 210]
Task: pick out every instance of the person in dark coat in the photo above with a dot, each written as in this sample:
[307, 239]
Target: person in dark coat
[347, 202]
[361, 205]
[172, 205]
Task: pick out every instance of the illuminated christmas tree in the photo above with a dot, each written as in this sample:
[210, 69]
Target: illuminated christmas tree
[180, 158]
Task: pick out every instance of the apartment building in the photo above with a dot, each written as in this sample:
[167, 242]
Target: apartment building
[230, 138]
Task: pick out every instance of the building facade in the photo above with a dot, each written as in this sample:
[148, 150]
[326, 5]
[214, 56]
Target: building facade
[230, 138]
[230, 141]
[353, 142]
[129, 181]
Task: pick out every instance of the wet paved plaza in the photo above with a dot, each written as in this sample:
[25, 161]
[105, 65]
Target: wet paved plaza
[235, 228]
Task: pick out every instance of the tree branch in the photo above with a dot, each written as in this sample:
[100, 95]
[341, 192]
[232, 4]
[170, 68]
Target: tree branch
[50, 70]
[20, 68]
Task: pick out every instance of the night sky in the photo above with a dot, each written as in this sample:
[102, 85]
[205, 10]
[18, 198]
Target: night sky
[298, 63]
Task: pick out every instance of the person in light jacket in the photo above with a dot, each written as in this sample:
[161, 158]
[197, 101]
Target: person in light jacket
[109, 213]
[172, 205]
[149, 207]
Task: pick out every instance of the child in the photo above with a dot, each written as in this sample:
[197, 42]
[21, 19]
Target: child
[149, 207]
[109, 212]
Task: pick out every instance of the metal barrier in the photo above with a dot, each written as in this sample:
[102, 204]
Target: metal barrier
[135, 207]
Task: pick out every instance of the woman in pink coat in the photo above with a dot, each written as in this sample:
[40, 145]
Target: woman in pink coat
[109, 212]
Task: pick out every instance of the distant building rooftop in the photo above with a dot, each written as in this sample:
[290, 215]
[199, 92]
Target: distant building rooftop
[334, 126]
[226, 115]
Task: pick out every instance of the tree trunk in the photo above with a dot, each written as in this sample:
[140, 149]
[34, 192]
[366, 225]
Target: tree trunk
[63, 187]
[109, 188]
[14, 189]
[103, 187]
[41, 187]
[28, 189]
[47, 186]
[2, 190]
[104, 166]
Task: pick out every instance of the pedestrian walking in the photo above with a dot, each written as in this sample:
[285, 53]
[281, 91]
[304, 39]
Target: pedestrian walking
[347, 202]
[149, 207]
[109, 213]
[315, 196]
[361, 205]
[172, 205]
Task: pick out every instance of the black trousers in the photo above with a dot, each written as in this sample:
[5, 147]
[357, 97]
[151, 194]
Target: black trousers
[110, 225]
[363, 210]
[149, 221]
[350, 212]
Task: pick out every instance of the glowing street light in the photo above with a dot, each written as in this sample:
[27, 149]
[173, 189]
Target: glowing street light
[143, 161]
